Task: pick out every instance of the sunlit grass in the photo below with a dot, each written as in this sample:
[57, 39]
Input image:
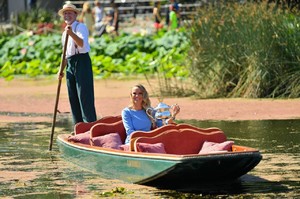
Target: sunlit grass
[245, 50]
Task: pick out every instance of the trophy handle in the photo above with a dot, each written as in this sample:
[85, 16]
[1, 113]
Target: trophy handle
[149, 112]
[176, 109]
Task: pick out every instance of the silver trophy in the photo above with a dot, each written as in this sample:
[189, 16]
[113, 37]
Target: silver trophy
[162, 111]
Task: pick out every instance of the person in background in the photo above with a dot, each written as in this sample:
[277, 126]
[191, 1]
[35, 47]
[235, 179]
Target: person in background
[113, 15]
[79, 74]
[134, 116]
[173, 23]
[98, 12]
[157, 16]
[87, 17]
[176, 9]
[99, 16]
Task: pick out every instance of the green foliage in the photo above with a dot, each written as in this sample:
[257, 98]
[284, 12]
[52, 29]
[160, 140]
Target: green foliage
[245, 51]
[35, 55]
[31, 55]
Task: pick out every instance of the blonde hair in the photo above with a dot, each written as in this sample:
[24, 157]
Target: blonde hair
[86, 7]
[146, 100]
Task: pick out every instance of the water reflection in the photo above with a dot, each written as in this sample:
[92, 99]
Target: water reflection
[267, 135]
[29, 170]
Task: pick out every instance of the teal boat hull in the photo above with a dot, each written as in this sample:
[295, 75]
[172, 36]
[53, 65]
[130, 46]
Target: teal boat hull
[147, 168]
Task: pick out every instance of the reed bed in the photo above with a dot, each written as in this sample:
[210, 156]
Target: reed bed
[245, 50]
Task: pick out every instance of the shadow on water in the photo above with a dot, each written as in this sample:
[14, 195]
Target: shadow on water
[29, 170]
[247, 184]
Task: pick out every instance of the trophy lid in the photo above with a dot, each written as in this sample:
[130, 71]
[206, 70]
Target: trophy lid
[162, 105]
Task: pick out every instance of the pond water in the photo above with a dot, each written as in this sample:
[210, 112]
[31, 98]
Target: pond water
[29, 170]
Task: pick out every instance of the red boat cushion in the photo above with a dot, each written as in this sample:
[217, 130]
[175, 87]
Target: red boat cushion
[209, 147]
[83, 138]
[151, 148]
[111, 140]
[101, 129]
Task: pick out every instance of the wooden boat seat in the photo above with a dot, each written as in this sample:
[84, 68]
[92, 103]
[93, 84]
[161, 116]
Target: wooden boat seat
[165, 128]
[183, 141]
[100, 129]
[83, 127]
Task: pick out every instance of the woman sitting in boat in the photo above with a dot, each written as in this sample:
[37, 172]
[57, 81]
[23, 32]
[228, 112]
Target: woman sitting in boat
[135, 117]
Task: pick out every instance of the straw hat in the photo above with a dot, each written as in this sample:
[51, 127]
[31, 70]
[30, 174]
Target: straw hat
[70, 7]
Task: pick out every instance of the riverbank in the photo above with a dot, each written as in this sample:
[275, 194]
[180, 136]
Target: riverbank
[21, 97]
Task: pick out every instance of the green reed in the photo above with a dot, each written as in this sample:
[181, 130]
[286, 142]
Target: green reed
[245, 50]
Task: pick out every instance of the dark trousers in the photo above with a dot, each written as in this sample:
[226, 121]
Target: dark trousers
[80, 85]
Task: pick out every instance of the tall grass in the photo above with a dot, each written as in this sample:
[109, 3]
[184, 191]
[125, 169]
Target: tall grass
[245, 50]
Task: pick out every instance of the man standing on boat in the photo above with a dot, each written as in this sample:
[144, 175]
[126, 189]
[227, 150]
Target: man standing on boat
[79, 74]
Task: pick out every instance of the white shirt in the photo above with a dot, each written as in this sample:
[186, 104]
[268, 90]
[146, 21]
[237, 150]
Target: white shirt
[98, 14]
[81, 31]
